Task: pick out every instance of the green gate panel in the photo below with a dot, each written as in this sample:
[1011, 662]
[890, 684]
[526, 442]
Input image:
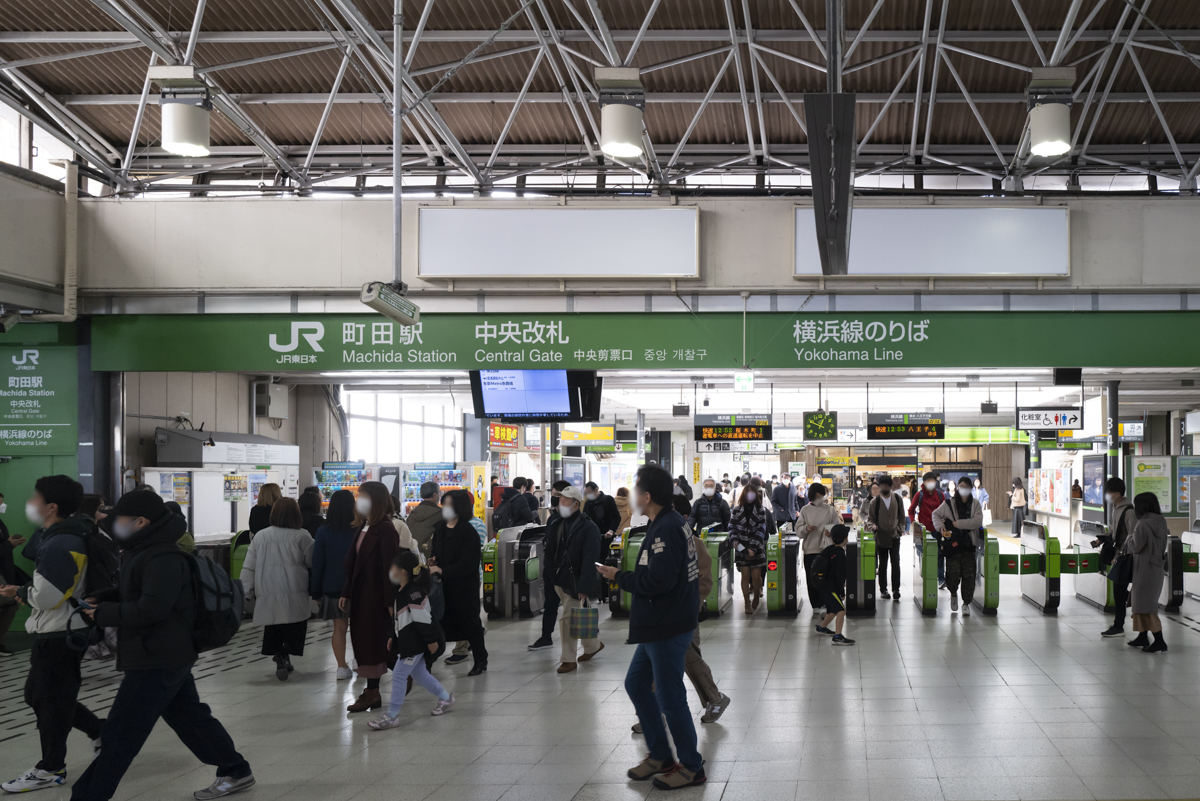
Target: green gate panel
[774, 577]
[925, 586]
[991, 574]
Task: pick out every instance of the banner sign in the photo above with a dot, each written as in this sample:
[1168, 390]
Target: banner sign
[709, 427]
[276, 343]
[599, 435]
[1067, 417]
[38, 400]
[502, 435]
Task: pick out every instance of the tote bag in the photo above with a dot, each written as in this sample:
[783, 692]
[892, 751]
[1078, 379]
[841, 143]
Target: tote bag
[584, 623]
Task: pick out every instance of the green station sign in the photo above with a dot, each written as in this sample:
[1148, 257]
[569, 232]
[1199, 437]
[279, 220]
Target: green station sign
[276, 343]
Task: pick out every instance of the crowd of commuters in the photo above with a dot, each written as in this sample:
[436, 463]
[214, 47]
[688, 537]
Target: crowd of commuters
[401, 590]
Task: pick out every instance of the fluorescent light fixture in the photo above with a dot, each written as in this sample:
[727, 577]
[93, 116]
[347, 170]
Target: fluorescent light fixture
[1049, 129]
[991, 372]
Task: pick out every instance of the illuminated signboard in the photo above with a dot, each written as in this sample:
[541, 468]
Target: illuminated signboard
[906, 425]
[501, 435]
[732, 427]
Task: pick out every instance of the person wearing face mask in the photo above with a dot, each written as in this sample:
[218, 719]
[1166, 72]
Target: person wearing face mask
[578, 550]
[1124, 520]
[710, 509]
[417, 638]
[275, 577]
[549, 554]
[981, 494]
[956, 524]
[748, 536]
[662, 622]
[602, 510]
[153, 609]
[53, 594]
[1016, 502]
[817, 518]
[783, 501]
[455, 556]
[885, 517]
[1145, 546]
[367, 593]
[926, 500]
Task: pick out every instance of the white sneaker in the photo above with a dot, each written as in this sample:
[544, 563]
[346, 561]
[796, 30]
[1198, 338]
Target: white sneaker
[345, 674]
[384, 721]
[35, 779]
[953, 603]
[223, 786]
[966, 610]
[443, 706]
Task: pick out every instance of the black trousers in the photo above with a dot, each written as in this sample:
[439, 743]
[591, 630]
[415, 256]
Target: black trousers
[550, 614]
[1120, 601]
[144, 697]
[52, 690]
[7, 613]
[882, 557]
[815, 597]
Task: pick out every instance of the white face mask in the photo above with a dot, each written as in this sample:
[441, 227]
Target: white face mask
[395, 578]
[566, 510]
[964, 491]
[3, 507]
[930, 485]
[33, 514]
[448, 513]
[123, 529]
[362, 505]
[591, 496]
[1111, 497]
[750, 496]
[708, 493]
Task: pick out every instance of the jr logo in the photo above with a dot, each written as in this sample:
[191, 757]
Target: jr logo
[27, 357]
[314, 338]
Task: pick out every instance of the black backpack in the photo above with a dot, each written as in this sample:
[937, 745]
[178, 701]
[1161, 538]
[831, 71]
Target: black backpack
[103, 562]
[819, 572]
[503, 516]
[219, 603]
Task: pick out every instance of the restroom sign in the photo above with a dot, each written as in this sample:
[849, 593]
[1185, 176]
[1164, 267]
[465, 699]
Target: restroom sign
[1069, 417]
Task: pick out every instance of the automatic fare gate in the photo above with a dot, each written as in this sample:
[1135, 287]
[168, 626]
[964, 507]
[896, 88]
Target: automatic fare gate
[925, 583]
[782, 579]
[720, 550]
[512, 582]
[623, 554]
[860, 574]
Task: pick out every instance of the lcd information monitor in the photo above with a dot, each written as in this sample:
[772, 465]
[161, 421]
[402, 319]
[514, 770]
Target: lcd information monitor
[552, 396]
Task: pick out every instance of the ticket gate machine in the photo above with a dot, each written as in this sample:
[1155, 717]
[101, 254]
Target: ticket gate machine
[860, 574]
[512, 582]
[1041, 587]
[925, 583]
[720, 550]
[987, 574]
[1092, 588]
[782, 578]
[1179, 563]
[1191, 549]
[623, 554]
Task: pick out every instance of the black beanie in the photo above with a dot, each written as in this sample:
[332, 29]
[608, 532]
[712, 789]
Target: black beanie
[140, 503]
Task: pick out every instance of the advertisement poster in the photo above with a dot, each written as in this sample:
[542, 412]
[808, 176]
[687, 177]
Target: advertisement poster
[1153, 474]
[1049, 491]
[255, 482]
[1189, 467]
[502, 435]
[180, 488]
[1093, 480]
[236, 488]
[166, 484]
[479, 482]
[389, 476]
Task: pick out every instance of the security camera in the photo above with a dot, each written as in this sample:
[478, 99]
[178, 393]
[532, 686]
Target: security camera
[9, 321]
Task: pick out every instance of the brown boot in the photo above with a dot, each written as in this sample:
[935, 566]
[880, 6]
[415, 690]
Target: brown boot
[370, 699]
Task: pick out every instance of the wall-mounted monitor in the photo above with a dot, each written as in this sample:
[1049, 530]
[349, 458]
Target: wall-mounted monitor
[547, 396]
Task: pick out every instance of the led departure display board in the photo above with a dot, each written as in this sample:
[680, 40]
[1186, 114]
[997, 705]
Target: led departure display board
[732, 427]
[899, 425]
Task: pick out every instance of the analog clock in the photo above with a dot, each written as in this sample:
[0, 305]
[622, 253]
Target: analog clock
[820, 425]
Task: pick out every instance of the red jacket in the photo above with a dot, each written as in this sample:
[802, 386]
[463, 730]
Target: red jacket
[923, 504]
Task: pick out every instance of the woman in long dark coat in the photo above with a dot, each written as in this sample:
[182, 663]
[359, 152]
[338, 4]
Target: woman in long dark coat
[455, 557]
[368, 590]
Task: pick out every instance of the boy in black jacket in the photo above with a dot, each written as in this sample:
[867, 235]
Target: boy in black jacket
[831, 565]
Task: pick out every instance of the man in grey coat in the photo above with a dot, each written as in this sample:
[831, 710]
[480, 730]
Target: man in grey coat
[957, 522]
[425, 516]
[1123, 521]
[783, 501]
[885, 517]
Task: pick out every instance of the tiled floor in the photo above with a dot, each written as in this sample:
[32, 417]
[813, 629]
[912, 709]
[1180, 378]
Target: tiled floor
[1019, 706]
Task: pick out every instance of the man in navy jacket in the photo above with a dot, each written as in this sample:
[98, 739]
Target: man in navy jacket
[662, 617]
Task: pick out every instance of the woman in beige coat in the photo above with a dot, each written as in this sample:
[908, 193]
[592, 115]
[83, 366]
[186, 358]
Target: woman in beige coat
[1146, 545]
[275, 577]
[624, 507]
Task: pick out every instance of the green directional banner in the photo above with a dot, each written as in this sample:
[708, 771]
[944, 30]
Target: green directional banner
[273, 343]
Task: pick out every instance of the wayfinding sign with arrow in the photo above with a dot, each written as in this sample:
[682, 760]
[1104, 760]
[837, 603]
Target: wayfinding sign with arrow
[1068, 417]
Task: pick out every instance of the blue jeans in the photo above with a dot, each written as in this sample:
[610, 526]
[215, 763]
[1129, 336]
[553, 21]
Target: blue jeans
[655, 685]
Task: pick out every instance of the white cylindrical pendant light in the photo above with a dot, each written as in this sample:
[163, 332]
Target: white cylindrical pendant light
[1049, 129]
[184, 126]
[621, 130]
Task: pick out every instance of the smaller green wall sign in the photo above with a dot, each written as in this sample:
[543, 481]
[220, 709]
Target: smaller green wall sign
[38, 404]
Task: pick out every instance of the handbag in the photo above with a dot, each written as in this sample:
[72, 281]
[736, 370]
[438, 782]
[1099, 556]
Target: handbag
[1120, 572]
[584, 623]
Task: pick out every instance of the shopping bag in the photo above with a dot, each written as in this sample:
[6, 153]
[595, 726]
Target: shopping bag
[584, 623]
[987, 518]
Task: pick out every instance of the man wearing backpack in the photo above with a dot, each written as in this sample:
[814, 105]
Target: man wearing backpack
[513, 510]
[59, 581]
[924, 503]
[154, 610]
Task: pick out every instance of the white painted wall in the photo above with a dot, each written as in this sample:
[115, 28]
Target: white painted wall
[317, 245]
[31, 237]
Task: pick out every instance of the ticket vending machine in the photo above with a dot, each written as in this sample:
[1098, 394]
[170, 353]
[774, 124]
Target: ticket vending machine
[860, 574]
